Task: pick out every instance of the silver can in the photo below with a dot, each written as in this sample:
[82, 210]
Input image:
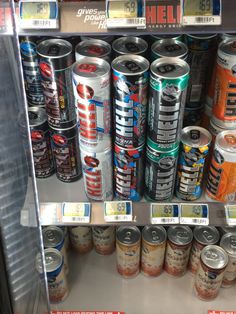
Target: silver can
[227, 229]
[153, 250]
[81, 239]
[228, 243]
[129, 45]
[202, 236]
[178, 250]
[104, 239]
[154, 38]
[169, 48]
[93, 48]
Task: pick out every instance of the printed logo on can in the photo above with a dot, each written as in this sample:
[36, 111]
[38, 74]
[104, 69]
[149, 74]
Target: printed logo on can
[59, 140]
[46, 69]
[166, 162]
[28, 48]
[84, 91]
[87, 68]
[37, 136]
[96, 50]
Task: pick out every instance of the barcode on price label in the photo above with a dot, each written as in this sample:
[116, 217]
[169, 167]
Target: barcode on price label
[138, 22]
[76, 212]
[194, 214]
[118, 211]
[230, 213]
[164, 213]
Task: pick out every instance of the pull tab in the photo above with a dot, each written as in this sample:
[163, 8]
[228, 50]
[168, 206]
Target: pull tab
[33, 115]
[132, 66]
[233, 242]
[207, 236]
[53, 50]
[195, 135]
[230, 139]
[171, 48]
[182, 234]
[212, 255]
[131, 47]
[50, 236]
[128, 236]
[166, 68]
[155, 236]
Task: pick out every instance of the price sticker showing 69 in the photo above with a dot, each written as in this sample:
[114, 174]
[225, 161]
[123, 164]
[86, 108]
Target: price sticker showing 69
[118, 211]
[164, 213]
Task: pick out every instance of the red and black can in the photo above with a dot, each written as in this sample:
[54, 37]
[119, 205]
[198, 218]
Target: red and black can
[40, 138]
[30, 65]
[65, 146]
[55, 62]
[129, 172]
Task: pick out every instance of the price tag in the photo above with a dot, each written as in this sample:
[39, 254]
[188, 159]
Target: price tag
[194, 214]
[36, 14]
[164, 213]
[76, 212]
[118, 211]
[230, 213]
[50, 213]
[201, 12]
[138, 22]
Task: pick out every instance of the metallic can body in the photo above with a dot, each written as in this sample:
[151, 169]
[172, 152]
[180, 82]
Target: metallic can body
[104, 239]
[153, 250]
[202, 236]
[81, 239]
[170, 48]
[178, 250]
[128, 241]
[66, 237]
[168, 86]
[65, 147]
[129, 173]
[41, 145]
[210, 272]
[93, 48]
[97, 171]
[30, 64]
[91, 81]
[129, 45]
[221, 183]
[160, 173]
[193, 116]
[130, 79]
[228, 243]
[194, 149]
[56, 58]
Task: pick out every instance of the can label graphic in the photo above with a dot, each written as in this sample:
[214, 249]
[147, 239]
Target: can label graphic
[104, 239]
[81, 239]
[195, 256]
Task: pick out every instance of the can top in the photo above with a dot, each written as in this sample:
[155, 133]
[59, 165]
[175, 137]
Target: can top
[52, 236]
[180, 235]
[169, 68]
[195, 136]
[206, 235]
[101, 229]
[227, 36]
[91, 67]
[201, 36]
[53, 260]
[213, 256]
[228, 243]
[93, 48]
[130, 64]
[215, 122]
[228, 229]
[37, 116]
[227, 140]
[129, 45]
[155, 147]
[166, 36]
[128, 235]
[54, 48]
[228, 47]
[103, 145]
[154, 234]
[169, 48]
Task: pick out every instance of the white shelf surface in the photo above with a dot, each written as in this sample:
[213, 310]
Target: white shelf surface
[96, 285]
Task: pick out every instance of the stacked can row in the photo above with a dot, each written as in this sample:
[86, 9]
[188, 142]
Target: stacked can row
[152, 250]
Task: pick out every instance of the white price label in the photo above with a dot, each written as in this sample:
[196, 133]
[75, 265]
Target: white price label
[118, 211]
[194, 214]
[230, 213]
[76, 212]
[50, 213]
[138, 22]
[164, 213]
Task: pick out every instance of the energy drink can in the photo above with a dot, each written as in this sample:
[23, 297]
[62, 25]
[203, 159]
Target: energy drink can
[129, 45]
[93, 48]
[201, 49]
[129, 172]
[153, 250]
[194, 149]
[215, 129]
[221, 183]
[154, 38]
[160, 173]
[226, 36]
[210, 272]
[53, 237]
[224, 105]
[65, 147]
[128, 239]
[202, 236]
[55, 60]
[168, 86]
[91, 80]
[178, 250]
[104, 239]
[30, 65]
[193, 116]
[228, 243]
[41, 146]
[97, 171]
[81, 239]
[168, 48]
[227, 229]
[130, 79]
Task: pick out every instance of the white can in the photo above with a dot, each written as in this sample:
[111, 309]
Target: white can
[104, 239]
[81, 239]
[228, 243]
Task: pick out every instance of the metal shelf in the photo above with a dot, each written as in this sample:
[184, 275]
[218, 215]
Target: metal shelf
[75, 21]
[52, 191]
[95, 285]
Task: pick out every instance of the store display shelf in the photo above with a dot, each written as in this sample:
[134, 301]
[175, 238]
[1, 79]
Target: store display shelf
[88, 18]
[52, 191]
[96, 286]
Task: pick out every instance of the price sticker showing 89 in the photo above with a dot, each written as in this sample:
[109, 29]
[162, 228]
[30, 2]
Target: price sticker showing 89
[164, 213]
[201, 12]
[118, 211]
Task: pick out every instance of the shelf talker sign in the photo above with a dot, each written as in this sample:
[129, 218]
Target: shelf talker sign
[86, 312]
[221, 312]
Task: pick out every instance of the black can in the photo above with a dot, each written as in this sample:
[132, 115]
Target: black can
[41, 146]
[65, 146]
[30, 65]
[56, 58]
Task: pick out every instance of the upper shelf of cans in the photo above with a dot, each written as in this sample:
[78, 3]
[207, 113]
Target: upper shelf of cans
[90, 17]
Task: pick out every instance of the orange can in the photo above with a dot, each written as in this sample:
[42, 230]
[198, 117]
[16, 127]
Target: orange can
[224, 104]
[221, 183]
